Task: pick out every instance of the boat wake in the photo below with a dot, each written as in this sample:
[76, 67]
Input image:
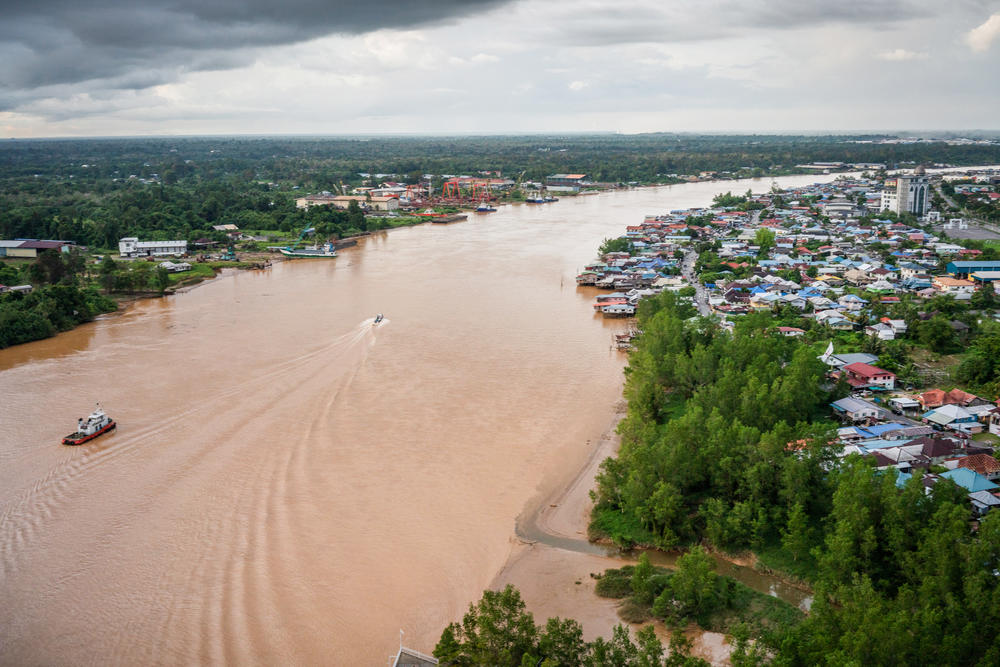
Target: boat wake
[24, 516]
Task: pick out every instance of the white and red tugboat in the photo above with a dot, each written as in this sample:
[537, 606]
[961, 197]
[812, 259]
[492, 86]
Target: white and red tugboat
[96, 424]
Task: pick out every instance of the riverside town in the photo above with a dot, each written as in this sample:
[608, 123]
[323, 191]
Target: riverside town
[595, 400]
[507, 333]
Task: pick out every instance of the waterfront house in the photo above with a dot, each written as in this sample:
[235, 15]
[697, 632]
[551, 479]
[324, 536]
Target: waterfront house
[408, 657]
[175, 267]
[618, 310]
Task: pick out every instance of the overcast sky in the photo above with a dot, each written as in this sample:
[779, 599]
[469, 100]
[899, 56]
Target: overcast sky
[102, 67]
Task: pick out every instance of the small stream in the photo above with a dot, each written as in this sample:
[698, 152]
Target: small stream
[529, 530]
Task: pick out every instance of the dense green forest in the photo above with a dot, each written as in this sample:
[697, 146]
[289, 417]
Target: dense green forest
[94, 191]
[725, 442]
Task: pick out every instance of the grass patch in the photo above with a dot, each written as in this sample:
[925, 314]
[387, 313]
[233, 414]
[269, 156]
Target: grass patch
[199, 271]
[761, 613]
[988, 438]
[774, 557]
[926, 358]
[634, 612]
[622, 529]
[615, 583]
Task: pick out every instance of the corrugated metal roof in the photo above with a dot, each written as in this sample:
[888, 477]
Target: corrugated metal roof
[43, 245]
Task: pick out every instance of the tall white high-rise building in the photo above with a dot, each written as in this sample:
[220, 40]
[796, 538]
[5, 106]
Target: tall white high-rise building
[913, 193]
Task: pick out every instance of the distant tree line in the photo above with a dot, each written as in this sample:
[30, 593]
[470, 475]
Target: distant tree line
[96, 191]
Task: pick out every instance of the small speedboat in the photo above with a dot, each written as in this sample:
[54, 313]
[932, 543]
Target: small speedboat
[378, 318]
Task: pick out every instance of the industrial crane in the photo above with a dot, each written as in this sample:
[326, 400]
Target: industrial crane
[307, 230]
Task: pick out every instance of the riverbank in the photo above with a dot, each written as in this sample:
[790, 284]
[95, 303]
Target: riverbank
[552, 563]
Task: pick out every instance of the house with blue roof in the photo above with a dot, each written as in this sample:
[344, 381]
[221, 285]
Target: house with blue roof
[963, 269]
[852, 302]
[970, 480]
[951, 416]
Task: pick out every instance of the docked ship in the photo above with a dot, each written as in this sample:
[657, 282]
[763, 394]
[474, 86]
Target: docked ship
[484, 207]
[96, 424]
[325, 250]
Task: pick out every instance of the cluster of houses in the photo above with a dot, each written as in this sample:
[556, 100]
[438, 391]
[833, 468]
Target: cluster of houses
[927, 434]
[984, 188]
[826, 263]
[657, 246]
[839, 264]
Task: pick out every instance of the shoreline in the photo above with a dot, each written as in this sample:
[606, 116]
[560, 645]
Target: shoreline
[552, 563]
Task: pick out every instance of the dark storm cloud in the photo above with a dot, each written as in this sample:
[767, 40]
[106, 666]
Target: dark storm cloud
[146, 42]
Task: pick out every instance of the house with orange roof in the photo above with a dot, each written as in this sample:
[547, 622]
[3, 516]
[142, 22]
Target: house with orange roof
[957, 287]
[935, 398]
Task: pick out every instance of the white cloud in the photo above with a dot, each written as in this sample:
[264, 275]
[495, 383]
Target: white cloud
[901, 55]
[481, 58]
[980, 39]
[577, 86]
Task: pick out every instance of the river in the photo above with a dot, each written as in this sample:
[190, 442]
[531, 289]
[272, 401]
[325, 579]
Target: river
[289, 483]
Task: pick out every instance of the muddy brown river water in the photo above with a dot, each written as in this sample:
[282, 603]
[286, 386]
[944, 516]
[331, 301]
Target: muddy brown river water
[289, 484]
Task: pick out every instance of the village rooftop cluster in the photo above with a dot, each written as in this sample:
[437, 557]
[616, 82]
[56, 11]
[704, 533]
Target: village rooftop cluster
[837, 257]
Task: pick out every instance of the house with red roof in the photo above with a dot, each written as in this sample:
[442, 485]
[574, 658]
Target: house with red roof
[860, 375]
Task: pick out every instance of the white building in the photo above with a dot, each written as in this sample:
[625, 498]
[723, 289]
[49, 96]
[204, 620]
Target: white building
[889, 201]
[131, 246]
[913, 193]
